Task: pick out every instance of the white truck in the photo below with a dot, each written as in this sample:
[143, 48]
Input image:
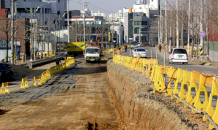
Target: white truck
[92, 53]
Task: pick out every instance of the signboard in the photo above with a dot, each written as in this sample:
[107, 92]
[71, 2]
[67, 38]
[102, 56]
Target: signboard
[202, 34]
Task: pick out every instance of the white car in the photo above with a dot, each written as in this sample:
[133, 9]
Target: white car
[139, 52]
[178, 55]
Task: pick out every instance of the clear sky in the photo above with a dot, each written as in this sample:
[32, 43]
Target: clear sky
[105, 6]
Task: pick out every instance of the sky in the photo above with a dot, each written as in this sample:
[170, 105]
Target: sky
[104, 6]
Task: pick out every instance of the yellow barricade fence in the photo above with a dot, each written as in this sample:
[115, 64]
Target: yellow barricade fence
[34, 80]
[24, 83]
[4, 88]
[193, 80]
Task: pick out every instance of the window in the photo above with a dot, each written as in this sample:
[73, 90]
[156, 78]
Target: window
[137, 22]
[143, 39]
[136, 30]
[180, 51]
[137, 14]
[139, 49]
[140, 23]
[144, 23]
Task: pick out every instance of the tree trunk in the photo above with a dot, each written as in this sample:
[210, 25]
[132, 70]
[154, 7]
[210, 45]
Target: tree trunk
[192, 46]
[182, 41]
[198, 40]
[207, 41]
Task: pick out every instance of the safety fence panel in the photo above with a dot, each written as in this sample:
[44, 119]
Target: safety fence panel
[192, 80]
[39, 80]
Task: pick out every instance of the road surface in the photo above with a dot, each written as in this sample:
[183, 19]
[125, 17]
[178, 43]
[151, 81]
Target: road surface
[189, 67]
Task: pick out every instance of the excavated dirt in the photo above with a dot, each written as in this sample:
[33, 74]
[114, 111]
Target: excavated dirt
[139, 109]
[95, 96]
[73, 99]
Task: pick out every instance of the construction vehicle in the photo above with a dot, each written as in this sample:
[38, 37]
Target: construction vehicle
[92, 52]
[75, 48]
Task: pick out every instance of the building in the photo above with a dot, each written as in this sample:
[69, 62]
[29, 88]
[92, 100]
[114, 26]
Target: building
[46, 10]
[138, 20]
[4, 49]
[22, 32]
[3, 13]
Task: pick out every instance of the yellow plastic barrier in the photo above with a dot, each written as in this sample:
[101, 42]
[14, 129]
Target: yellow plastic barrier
[192, 79]
[34, 80]
[172, 73]
[185, 81]
[4, 88]
[24, 83]
[202, 88]
[210, 112]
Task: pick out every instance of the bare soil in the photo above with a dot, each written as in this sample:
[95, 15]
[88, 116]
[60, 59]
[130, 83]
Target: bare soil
[140, 109]
[73, 99]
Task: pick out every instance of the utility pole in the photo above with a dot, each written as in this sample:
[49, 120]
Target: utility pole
[177, 24]
[158, 32]
[189, 18]
[68, 23]
[62, 36]
[12, 32]
[59, 34]
[31, 45]
[201, 23]
[170, 42]
[84, 21]
[15, 48]
[84, 26]
[49, 27]
[38, 34]
[160, 24]
[165, 22]
[139, 35]
[76, 30]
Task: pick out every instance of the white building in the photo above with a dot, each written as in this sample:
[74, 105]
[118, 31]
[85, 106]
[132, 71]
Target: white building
[42, 9]
[138, 20]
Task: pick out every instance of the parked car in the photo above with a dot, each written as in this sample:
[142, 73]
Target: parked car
[178, 55]
[133, 44]
[139, 52]
[141, 45]
[6, 72]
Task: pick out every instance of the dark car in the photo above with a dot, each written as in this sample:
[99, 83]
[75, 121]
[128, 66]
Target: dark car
[6, 72]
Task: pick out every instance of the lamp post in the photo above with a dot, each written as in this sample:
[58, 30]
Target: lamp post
[12, 32]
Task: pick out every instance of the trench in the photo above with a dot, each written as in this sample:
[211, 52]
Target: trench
[137, 107]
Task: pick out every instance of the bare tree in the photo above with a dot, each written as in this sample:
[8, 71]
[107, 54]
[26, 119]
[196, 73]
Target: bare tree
[5, 28]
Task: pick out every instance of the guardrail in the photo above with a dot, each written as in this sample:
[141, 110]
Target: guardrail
[43, 61]
[197, 80]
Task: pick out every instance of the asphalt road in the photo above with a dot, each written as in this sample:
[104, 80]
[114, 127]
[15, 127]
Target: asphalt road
[189, 67]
